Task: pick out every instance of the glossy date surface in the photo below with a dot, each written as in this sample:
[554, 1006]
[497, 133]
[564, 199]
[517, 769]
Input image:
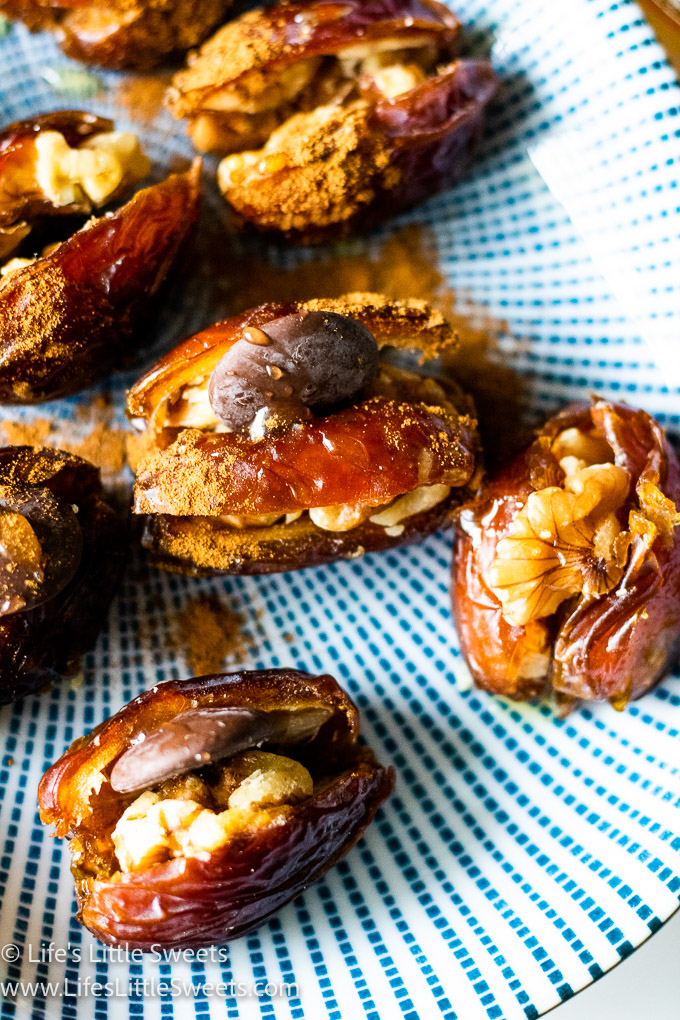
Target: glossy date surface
[611, 583]
[191, 901]
[120, 33]
[81, 559]
[336, 115]
[333, 461]
[69, 318]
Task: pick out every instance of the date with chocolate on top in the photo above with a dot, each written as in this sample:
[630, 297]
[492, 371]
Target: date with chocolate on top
[204, 805]
[333, 116]
[286, 437]
[567, 566]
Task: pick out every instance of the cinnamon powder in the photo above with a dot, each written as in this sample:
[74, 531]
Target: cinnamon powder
[208, 632]
[103, 446]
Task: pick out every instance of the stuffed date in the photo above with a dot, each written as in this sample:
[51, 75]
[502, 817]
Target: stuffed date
[204, 805]
[333, 115]
[61, 164]
[567, 567]
[120, 33]
[285, 437]
[61, 553]
[69, 316]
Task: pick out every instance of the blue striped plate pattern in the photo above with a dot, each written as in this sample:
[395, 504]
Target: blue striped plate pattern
[521, 855]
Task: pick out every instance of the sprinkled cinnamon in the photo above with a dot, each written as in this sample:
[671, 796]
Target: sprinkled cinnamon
[103, 446]
[208, 633]
[141, 95]
[27, 433]
[334, 167]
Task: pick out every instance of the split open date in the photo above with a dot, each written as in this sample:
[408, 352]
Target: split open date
[204, 805]
[567, 567]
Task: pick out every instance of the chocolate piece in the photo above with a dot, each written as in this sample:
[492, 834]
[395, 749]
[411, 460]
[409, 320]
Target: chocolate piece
[201, 735]
[309, 361]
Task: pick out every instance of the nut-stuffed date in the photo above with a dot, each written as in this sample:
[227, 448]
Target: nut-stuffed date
[120, 33]
[70, 317]
[285, 437]
[61, 553]
[204, 805]
[567, 567]
[61, 164]
[334, 115]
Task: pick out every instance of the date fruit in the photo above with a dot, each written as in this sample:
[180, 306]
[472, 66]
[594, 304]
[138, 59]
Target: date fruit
[283, 437]
[70, 317]
[567, 566]
[253, 786]
[61, 554]
[120, 33]
[334, 116]
[61, 164]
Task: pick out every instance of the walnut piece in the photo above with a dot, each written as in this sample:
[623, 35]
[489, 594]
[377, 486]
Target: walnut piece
[96, 169]
[565, 540]
[171, 823]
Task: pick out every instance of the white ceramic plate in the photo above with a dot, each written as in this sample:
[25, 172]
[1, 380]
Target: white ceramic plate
[521, 856]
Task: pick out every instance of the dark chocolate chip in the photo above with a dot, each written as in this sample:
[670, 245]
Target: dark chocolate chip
[312, 362]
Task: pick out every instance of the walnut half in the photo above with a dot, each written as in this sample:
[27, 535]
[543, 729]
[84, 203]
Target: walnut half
[567, 565]
[563, 541]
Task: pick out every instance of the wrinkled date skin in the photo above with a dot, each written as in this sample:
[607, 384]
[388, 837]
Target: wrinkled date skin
[381, 446]
[295, 31]
[189, 902]
[45, 642]
[614, 646]
[432, 133]
[372, 153]
[69, 318]
[21, 205]
[120, 33]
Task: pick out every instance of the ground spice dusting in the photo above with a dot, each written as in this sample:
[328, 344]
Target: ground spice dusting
[104, 446]
[333, 166]
[27, 433]
[141, 95]
[208, 632]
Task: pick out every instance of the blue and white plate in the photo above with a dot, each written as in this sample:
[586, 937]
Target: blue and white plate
[521, 855]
